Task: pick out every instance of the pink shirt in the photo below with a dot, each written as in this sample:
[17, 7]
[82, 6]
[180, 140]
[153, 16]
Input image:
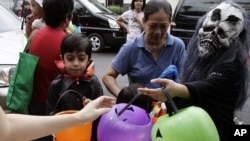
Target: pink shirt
[133, 25]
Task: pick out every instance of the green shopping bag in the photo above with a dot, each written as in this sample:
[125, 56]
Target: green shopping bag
[21, 83]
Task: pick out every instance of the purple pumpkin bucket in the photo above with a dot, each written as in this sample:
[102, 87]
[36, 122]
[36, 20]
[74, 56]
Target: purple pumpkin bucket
[134, 124]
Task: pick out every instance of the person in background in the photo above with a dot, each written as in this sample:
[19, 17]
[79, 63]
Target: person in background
[215, 75]
[148, 55]
[35, 20]
[131, 20]
[25, 11]
[46, 44]
[74, 26]
[68, 89]
[17, 127]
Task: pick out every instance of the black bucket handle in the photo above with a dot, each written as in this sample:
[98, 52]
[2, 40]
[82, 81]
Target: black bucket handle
[165, 92]
[129, 103]
[170, 100]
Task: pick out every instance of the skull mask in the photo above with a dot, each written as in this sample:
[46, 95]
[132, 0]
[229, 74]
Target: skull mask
[220, 28]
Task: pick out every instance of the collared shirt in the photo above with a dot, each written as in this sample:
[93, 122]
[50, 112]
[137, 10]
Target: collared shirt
[135, 60]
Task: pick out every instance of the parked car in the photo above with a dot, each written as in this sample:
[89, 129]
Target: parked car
[187, 13]
[99, 24]
[12, 41]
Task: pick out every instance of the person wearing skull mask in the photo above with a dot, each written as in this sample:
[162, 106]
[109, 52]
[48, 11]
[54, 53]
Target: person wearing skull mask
[215, 75]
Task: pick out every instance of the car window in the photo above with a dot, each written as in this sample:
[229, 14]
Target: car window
[189, 7]
[8, 21]
[101, 7]
[95, 6]
[81, 10]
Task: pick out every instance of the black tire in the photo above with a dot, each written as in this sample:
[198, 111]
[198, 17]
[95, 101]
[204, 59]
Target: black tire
[97, 42]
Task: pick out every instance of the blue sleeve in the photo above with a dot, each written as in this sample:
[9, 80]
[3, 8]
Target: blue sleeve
[121, 63]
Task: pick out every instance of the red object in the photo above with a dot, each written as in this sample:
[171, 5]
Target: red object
[46, 44]
[158, 111]
[90, 69]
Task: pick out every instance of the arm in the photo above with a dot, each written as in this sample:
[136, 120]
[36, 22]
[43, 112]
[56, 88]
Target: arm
[121, 23]
[29, 20]
[17, 127]
[174, 89]
[109, 80]
[136, 17]
[222, 85]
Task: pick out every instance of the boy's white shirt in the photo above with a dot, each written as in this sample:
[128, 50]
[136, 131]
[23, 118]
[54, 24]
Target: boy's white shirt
[38, 24]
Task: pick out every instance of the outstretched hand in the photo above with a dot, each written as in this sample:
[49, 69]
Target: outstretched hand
[156, 94]
[172, 87]
[95, 108]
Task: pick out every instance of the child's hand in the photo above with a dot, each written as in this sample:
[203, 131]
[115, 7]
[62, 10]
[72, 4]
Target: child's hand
[85, 101]
[54, 137]
[30, 18]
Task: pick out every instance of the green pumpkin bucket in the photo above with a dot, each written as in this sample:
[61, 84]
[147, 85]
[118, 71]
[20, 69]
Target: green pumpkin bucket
[188, 124]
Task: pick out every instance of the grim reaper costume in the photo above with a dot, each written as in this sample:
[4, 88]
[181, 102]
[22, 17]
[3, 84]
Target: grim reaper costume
[215, 71]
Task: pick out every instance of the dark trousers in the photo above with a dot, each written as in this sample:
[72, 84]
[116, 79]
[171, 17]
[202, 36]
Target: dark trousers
[38, 108]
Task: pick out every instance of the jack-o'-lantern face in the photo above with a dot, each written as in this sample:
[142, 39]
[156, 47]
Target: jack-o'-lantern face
[133, 115]
[189, 124]
[134, 124]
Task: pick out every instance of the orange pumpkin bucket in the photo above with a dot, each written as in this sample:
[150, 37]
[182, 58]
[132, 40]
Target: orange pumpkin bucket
[157, 111]
[74, 133]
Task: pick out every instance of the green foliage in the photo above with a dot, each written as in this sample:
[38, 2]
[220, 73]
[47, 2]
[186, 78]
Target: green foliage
[116, 9]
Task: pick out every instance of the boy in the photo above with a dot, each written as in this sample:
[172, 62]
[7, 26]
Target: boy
[75, 87]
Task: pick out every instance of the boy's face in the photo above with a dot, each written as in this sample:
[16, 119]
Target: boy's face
[76, 63]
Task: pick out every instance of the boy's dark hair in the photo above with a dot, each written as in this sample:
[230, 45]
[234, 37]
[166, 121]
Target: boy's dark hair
[127, 93]
[76, 42]
[55, 11]
[133, 4]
